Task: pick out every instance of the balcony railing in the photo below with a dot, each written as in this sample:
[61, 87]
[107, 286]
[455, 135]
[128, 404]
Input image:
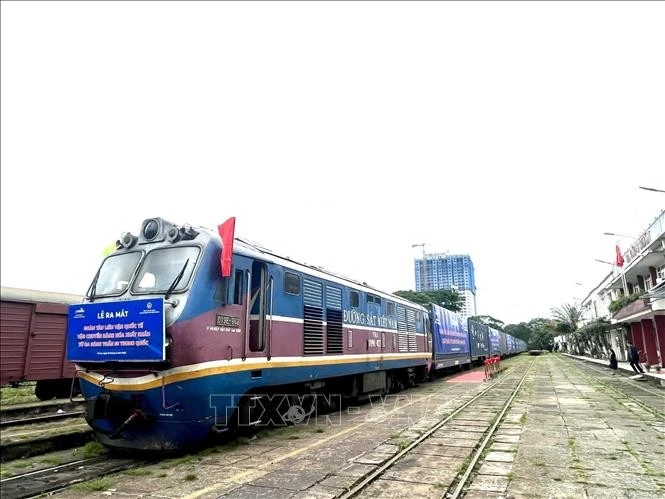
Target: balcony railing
[632, 308]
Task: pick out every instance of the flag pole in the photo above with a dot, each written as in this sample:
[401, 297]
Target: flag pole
[620, 261]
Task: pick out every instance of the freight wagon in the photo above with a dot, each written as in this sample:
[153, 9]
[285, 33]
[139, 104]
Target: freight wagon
[33, 334]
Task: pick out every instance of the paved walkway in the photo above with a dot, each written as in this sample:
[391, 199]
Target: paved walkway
[625, 368]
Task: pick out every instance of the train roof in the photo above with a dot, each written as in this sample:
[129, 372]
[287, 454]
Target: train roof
[247, 248]
[37, 296]
[251, 249]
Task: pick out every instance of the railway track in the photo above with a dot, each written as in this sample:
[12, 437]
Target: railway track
[34, 435]
[39, 482]
[43, 418]
[489, 406]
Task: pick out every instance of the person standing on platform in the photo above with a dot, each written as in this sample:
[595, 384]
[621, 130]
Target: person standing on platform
[614, 365]
[634, 359]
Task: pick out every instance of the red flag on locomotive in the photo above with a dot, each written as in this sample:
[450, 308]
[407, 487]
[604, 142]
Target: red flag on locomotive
[226, 232]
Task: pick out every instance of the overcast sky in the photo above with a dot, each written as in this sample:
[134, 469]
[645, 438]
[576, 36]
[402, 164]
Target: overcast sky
[339, 134]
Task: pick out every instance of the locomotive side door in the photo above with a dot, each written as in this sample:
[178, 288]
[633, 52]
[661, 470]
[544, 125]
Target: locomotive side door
[258, 306]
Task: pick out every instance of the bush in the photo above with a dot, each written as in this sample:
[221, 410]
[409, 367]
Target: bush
[622, 301]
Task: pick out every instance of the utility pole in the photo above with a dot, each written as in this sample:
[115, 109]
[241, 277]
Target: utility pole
[423, 270]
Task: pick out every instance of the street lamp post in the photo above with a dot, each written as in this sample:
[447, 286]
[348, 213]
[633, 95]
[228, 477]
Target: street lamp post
[618, 235]
[603, 261]
[651, 189]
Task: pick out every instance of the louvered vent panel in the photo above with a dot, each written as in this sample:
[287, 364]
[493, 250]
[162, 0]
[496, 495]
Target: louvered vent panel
[334, 341]
[313, 328]
[333, 298]
[412, 343]
[313, 315]
[410, 316]
[401, 313]
[313, 293]
[403, 342]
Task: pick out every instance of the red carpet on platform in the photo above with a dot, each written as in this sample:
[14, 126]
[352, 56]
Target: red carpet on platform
[468, 377]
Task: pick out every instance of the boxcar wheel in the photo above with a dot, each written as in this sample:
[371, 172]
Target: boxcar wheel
[44, 390]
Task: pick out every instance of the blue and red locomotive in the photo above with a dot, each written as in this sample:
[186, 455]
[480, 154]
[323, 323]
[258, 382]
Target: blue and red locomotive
[186, 331]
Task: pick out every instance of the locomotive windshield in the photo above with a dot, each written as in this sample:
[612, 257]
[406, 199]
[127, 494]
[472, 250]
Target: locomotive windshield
[163, 267]
[163, 270]
[114, 275]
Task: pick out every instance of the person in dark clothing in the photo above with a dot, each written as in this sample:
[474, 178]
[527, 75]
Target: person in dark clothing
[634, 359]
[614, 365]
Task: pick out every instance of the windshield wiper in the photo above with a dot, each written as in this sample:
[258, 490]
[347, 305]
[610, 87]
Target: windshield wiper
[93, 286]
[176, 280]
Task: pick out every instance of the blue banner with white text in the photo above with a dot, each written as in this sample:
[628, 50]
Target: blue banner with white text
[130, 331]
[450, 332]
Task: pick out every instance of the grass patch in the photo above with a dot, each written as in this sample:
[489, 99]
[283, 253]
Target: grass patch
[138, 472]
[172, 463]
[5, 473]
[94, 485]
[190, 477]
[319, 430]
[92, 449]
[22, 464]
[510, 476]
[21, 395]
[52, 460]
[402, 444]
[523, 419]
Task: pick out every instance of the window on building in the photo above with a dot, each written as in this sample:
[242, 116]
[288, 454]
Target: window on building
[660, 272]
[647, 283]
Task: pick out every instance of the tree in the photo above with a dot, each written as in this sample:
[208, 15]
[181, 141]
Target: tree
[445, 298]
[542, 337]
[488, 320]
[522, 331]
[568, 317]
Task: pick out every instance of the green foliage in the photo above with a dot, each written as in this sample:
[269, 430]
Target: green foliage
[538, 332]
[622, 301]
[522, 331]
[541, 339]
[591, 339]
[19, 395]
[93, 449]
[567, 317]
[446, 298]
[488, 320]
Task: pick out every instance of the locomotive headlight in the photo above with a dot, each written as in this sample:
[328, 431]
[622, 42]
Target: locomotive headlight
[151, 229]
[127, 240]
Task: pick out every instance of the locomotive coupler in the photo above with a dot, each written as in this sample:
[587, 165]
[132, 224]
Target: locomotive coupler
[136, 414]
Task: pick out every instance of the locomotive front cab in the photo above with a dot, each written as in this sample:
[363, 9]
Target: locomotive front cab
[120, 334]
